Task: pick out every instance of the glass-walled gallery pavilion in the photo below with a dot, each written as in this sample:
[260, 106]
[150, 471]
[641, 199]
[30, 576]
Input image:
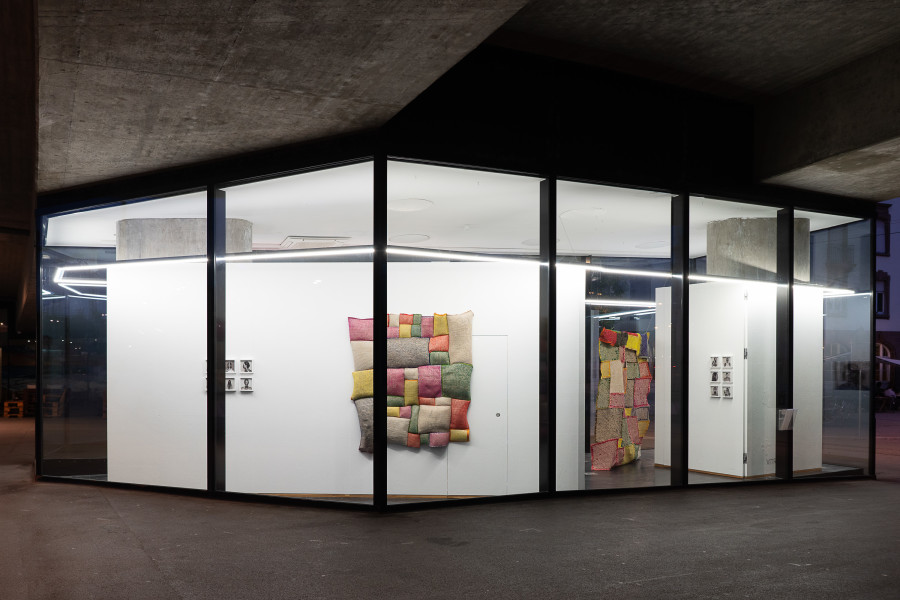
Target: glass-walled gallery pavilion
[382, 331]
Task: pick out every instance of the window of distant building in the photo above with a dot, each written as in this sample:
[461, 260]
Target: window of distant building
[882, 295]
[883, 231]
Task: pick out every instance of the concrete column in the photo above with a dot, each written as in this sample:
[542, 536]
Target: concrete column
[747, 248]
[160, 238]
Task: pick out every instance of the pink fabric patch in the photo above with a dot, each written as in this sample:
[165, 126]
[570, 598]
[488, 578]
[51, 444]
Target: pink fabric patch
[620, 455]
[430, 381]
[406, 412]
[617, 400]
[645, 370]
[395, 382]
[427, 327]
[633, 431]
[641, 389]
[439, 440]
[413, 440]
[458, 411]
[393, 332]
[603, 455]
[360, 329]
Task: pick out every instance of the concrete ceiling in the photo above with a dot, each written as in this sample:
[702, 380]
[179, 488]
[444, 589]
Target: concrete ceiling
[129, 87]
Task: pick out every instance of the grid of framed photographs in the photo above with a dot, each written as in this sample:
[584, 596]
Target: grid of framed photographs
[238, 375]
[721, 376]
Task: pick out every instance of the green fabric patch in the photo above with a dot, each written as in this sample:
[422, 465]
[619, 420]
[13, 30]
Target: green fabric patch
[417, 319]
[395, 401]
[629, 393]
[423, 439]
[643, 414]
[603, 394]
[414, 420]
[632, 370]
[456, 381]
[609, 352]
[440, 358]
[630, 356]
[621, 338]
[415, 330]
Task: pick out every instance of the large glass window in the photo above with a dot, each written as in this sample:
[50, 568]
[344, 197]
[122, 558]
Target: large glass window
[613, 300]
[463, 332]
[832, 345]
[732, 337]
[123, 323]
[299, 335]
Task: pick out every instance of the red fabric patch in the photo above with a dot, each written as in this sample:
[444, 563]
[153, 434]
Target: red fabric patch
[413, 440]
[440, 343]
[608, 336]
[641, 389]
[633, 432]
[426, 401]
[603, 455]
[617, 400]
[645, 370]
[406, 319]
[458, 411]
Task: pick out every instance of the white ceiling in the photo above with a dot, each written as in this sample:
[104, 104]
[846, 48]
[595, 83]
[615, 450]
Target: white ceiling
[458, 209]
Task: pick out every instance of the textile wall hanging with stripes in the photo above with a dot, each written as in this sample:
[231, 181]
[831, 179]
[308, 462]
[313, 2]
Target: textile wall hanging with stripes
[429, 378]
[623, 413]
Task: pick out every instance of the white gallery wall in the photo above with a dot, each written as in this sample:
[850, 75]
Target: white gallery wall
[298, 431]
[570, 413]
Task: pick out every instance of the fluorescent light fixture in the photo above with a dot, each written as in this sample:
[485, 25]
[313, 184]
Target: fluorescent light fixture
[636, 313]
[621, 303]
[636, 272]
[276, 255]
[458, 255]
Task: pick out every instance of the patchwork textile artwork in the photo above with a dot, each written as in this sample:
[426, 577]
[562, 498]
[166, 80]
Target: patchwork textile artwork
[429, 376]
[623, 413]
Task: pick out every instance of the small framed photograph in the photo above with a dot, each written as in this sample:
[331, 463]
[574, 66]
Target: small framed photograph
[246, 366]
[727, 377]
[714, 376]
[726, 391]
[229, 365]
[246, 384]
[714, 362]
[230, 384]
[726, 362]
[714, 391]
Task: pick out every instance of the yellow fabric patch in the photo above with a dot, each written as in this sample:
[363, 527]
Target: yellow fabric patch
[629, 454]
[393, 411]
[634, 342]
[643, 426]
[440, 325]
[410, 392]
[604, 369]
[363, 386]
[459, 435]
[405, 331]
[620, 442]
[627, 412]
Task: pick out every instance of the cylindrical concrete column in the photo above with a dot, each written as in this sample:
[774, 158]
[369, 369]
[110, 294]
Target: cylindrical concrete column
[161, 238]
[748, 248]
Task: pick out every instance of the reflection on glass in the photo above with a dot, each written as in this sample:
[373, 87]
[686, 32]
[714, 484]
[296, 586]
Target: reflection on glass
[832, 345]
[298, 279]
[731, 378]
[463, 338]
[613, 295]
[123, 319]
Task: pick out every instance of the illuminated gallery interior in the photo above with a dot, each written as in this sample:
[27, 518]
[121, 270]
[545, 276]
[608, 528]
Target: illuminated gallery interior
[628, 338]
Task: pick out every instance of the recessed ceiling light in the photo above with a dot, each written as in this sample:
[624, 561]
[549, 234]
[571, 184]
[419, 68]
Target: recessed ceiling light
[409, 238]
[648, 245]
[409, 204]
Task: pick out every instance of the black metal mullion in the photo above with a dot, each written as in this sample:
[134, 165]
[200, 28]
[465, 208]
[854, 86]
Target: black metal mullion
[680, 404]
[784, 342]
[547, 333]
[39, 345]
[215, 340]
[873, 266]
[379, 310]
